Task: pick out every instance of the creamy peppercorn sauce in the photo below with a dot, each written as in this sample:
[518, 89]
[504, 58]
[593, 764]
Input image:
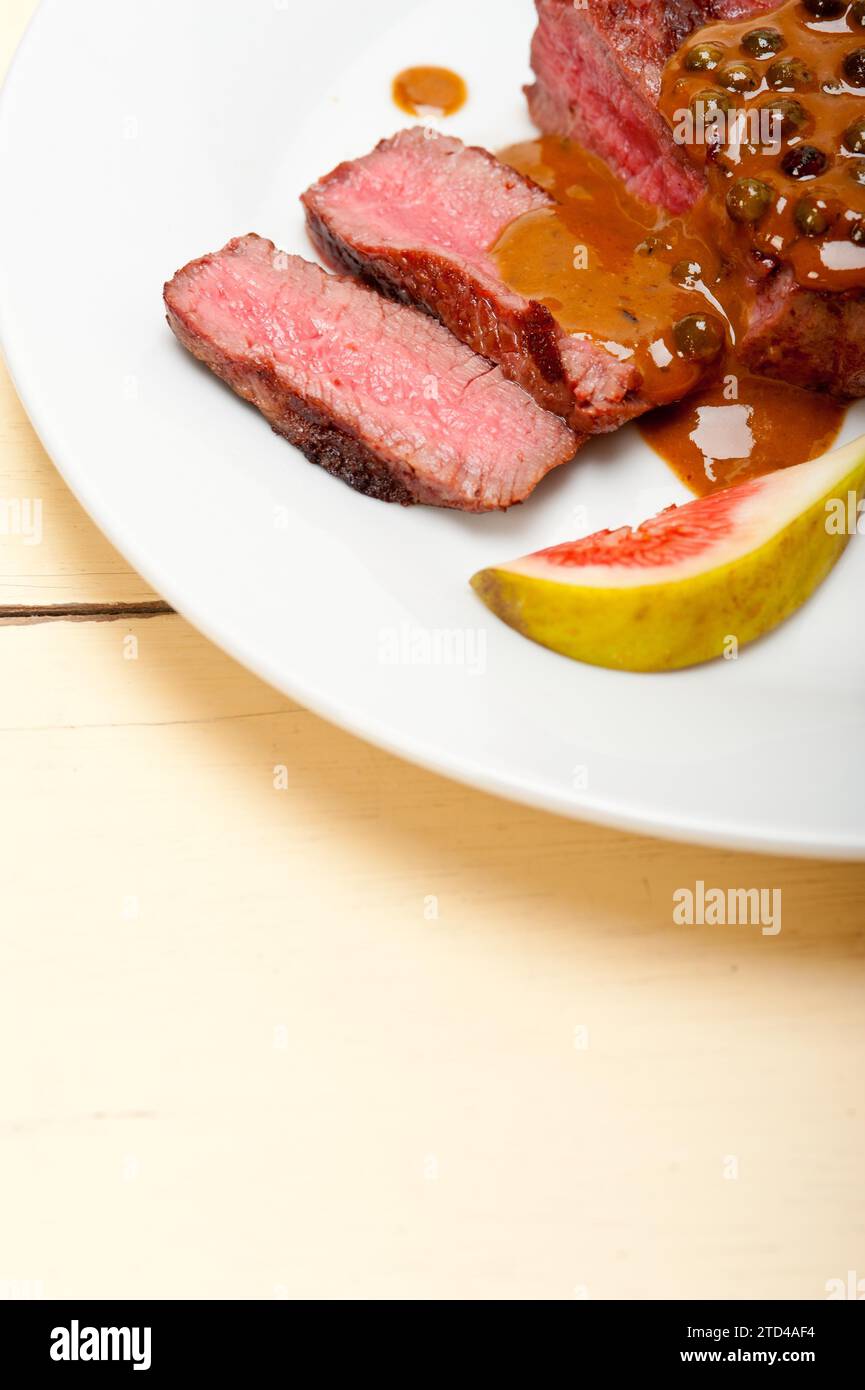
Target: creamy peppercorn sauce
[772, 108]
[787, 167]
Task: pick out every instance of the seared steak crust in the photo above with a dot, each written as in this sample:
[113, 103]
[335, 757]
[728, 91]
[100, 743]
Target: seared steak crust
[807, 337]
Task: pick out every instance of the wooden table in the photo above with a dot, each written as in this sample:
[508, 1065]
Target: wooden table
[374, 1034]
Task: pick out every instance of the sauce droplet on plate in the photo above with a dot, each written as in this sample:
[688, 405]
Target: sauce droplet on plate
[741, 427]
[429, 91]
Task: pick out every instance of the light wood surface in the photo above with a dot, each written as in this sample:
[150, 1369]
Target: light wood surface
[373, 1034]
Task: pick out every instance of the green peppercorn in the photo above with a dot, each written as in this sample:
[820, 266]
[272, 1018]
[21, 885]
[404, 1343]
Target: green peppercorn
[854, 137]
[792, 114]
[704, 57]
[710, 102]
[738, 77]
[763, 43]
[854, 67]
[804, 162]
[790, 74]
[749, 199]
[857, 232]
[857, 14]
[812, 216]
[688, 274]
[856, 172]
[699, 337]
[825, 9]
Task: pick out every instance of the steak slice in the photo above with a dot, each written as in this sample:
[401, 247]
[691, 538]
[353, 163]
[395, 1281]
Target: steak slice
[807, 337]
[418, 218]
[598, 77]
[378, 394]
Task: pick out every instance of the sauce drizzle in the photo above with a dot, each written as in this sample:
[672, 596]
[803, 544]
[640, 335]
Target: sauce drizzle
[608, 265]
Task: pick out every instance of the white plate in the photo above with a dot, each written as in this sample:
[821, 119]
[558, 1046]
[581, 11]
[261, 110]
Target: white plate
[136, 136]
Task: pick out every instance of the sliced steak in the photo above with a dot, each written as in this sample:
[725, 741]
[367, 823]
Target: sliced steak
[378, 394]
[806, 337]
[598, 77]
[418, 218]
